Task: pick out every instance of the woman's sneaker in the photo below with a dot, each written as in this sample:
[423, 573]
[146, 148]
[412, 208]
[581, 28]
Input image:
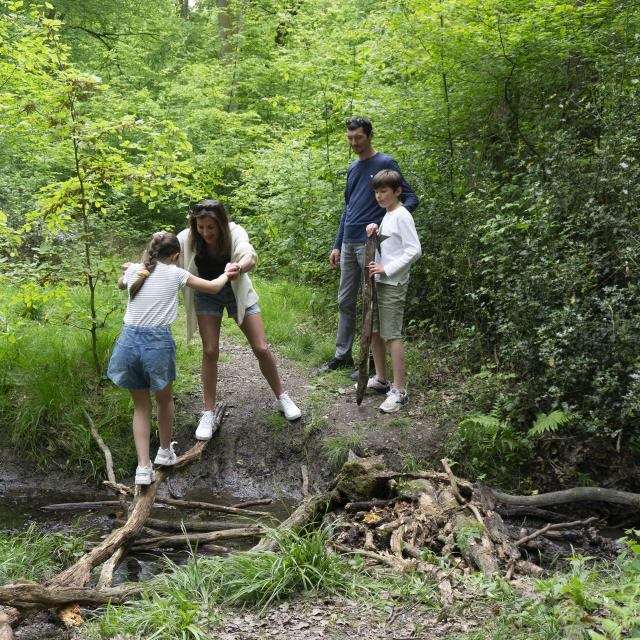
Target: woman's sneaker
[394, 401]
[145, 475]
[205, 427]
[284, 404]
[166, 457]
[373, 384]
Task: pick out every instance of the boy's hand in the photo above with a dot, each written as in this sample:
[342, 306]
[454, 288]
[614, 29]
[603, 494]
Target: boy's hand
[375, 268]
[372, 229]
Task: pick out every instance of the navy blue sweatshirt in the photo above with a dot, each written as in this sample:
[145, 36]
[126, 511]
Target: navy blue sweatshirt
[361, 206]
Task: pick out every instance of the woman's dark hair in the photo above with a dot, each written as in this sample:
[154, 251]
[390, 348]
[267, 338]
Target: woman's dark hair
[210, 209]
[163, 245]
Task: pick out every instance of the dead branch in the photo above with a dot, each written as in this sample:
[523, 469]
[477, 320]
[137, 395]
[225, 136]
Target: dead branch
[193, 538]
[252, 503]
[106, 574]
[189, 525]
[306, 512]
[305, 480]
[453, 481]
[555, 527]
[193, 504]
[96, 504]
[32, 595]
[577, 494]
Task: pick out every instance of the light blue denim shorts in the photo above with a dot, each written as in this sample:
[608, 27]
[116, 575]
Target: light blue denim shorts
[143, 358]
[214, 304]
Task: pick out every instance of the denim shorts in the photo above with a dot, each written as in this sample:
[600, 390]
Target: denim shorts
[143, 358]
[214, 304]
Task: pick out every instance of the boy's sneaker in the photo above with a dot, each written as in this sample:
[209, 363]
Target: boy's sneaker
[376, 385]
[394, 401]
[166, 457]
[145, 475]
[205, 426]
[337, 363]
[286, 405]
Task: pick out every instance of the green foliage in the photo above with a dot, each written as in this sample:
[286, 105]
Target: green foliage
[36, 555]
[545, 423]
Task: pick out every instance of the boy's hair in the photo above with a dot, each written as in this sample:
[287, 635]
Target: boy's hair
[210, 209]
[387, 178]
[356, 122]
[163, 245]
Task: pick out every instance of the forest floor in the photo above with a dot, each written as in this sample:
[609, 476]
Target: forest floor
[257, 453]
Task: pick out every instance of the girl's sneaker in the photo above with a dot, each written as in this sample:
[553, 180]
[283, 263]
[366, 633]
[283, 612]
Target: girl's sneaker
[166, 457]
[145, 475]
[394, 401]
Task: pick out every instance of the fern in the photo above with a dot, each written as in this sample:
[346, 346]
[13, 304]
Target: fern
[546, 422]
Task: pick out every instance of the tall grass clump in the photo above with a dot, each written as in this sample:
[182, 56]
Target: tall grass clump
[48, 381]
[38, 556]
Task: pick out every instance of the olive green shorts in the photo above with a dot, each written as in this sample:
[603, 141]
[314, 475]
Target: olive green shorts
[388, 312]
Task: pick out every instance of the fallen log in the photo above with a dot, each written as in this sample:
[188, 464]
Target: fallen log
[31, 595]
[577, 494]
[188, 525]
[193, 538]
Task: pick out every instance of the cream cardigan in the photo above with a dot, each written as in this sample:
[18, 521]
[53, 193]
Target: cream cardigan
[242, 287]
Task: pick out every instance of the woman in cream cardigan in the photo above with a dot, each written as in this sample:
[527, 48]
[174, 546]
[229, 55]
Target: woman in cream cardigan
[209, 247]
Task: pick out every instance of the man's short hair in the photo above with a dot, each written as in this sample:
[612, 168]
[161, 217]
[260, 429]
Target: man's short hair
[356, 122]
[387, 178]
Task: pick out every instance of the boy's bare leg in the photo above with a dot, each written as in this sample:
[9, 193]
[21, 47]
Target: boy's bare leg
[379, 356]
[396, 349]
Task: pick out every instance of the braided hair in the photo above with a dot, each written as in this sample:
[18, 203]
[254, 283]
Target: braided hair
[163, 245]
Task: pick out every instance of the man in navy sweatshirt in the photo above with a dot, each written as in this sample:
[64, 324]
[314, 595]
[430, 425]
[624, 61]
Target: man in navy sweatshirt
[361, 209]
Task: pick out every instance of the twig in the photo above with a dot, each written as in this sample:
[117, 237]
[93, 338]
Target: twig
[305, 480]
[252, 503]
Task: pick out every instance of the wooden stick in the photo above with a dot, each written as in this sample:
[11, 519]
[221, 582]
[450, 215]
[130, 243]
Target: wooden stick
[252, 503]
[554, 527]
[105, 450]
[305, 480]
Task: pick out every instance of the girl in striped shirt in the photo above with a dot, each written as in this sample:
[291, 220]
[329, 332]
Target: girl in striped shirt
[144, 358]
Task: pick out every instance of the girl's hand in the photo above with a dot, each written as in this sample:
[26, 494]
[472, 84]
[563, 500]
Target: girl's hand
[232, 270]
[372, 229]
[125, 265]
[375, 269]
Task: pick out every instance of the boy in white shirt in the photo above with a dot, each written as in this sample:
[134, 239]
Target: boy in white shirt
[398, 248]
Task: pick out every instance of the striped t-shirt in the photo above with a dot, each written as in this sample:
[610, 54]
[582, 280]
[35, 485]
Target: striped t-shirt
[156, 304]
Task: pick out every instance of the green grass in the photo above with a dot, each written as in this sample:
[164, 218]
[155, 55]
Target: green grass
[38, 556]
[336, 448]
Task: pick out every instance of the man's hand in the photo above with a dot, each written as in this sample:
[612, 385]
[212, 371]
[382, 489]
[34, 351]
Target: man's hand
[334, 258]
[376, 269]
[372, 229]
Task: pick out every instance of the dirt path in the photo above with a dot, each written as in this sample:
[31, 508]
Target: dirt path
[257, 452]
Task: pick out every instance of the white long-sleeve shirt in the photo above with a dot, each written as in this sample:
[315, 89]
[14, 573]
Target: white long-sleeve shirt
[399, 246]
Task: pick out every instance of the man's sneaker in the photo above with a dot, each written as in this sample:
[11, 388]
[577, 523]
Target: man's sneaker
[337, 363]
[205, 427]
[145, 475]
[394, 401]
[166, 457]
[286, 405]
[373, 384]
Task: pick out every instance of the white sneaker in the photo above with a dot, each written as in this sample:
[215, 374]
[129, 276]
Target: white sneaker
[205, 427]
[145, 475]
[394, 401]
[284, 404]
[166, 457]
[373, 384]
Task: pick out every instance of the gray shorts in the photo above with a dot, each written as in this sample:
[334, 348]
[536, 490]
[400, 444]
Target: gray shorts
[214, 304]
[388, 313]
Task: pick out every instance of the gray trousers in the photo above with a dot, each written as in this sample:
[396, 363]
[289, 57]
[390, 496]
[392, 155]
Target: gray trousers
[351, 263]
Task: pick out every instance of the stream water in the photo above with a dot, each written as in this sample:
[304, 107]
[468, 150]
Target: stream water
[19, 508]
